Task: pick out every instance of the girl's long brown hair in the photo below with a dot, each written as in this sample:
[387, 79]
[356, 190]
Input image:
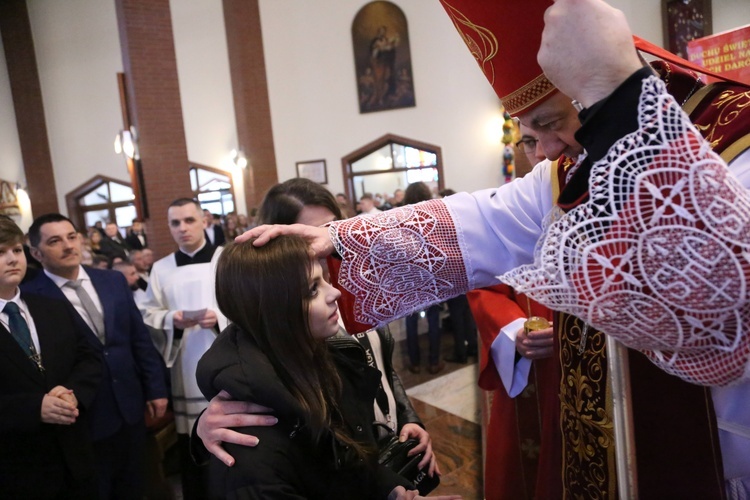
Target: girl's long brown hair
[265, 291]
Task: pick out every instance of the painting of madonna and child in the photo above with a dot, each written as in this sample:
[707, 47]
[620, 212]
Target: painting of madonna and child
[382, 58]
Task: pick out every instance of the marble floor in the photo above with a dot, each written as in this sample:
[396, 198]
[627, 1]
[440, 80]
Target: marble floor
[448, 405]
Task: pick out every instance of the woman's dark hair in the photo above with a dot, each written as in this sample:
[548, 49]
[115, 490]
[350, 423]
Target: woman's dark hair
[416, 192]
[283, 202]
[265, 292]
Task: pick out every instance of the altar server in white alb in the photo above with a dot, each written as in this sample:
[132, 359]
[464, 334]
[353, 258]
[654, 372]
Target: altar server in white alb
[180, 301]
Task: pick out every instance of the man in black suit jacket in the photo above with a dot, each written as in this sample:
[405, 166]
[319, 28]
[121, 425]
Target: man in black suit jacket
[48, 381]
[214, 233]
[136, 237]
[113, 244]
[134, 372]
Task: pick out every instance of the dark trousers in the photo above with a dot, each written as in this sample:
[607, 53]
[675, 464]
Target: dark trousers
[464, 328]
[195, 478]
[433, 332]
[119, 460]
[57, 484]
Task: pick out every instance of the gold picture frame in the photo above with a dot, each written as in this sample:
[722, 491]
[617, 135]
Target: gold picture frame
[315, 170]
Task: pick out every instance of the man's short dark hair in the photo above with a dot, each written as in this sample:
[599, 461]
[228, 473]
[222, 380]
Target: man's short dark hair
[98, 259]
[122, 264]
[10, 233]
[181, 202]
[35, 234]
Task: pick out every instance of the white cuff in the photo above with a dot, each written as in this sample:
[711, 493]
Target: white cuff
[515, 376]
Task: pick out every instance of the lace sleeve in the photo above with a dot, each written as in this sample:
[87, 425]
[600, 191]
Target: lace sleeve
[397, 262]
[660, 254]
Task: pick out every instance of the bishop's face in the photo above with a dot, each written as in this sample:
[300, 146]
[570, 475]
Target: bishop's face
[555, 123]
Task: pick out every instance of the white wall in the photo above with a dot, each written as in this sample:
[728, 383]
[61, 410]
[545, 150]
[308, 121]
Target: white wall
[206, 87]
[78, 55]
[312, 82]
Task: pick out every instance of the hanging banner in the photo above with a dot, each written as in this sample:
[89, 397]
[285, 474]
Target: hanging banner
[726, 53]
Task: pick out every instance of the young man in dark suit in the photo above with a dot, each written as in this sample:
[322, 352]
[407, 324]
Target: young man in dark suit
[213, 231]
[113, 244]
[136, 237]
[48, 379]
[134, 373]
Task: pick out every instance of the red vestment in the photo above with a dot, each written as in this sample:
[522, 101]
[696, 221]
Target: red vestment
[522, 437]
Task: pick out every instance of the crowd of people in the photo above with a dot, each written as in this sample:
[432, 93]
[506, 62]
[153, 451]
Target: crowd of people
[105, 244]
[270, 353]
[138, 330]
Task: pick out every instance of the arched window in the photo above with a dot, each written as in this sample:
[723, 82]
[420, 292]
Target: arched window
[213, 188]
[101, 199]
[391, 163]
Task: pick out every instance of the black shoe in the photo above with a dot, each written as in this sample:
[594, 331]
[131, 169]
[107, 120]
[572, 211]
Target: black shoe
[415, 369]
[433, 369]
[454, 359]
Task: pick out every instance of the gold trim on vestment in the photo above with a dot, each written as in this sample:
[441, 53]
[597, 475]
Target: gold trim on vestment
[696, 99]
[736, 149]
[555, 182]
[730, 105]
[588, 446]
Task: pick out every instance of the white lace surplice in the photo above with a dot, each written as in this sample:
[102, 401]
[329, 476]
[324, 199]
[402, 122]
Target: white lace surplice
[658, 257]
[399, 261]
[660, 254]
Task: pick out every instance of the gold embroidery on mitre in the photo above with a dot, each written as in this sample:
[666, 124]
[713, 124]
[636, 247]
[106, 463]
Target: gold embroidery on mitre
[484, 48]
[531, 93]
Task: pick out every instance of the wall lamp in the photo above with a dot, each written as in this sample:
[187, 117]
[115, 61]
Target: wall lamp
[126, 141]
[238, 158]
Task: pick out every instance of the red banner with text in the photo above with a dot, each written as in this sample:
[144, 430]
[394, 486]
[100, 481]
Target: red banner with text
[726, 53]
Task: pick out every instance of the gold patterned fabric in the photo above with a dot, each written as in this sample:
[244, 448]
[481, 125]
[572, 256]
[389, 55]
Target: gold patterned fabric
[721, 113]
[586, 412]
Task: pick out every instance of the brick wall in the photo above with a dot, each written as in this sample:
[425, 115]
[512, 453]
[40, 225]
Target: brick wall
[155, 109]
[28, 105]
[250, 91]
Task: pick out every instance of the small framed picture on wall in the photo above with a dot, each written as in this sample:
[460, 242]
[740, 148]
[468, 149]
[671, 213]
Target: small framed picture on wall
[683, 21]
[315, 170]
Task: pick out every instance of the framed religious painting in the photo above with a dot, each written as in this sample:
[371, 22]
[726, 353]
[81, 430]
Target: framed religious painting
[9, 199]
[315, 170]
[683, 21]
[382, 58]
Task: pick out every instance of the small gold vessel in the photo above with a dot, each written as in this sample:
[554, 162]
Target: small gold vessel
[535, 323]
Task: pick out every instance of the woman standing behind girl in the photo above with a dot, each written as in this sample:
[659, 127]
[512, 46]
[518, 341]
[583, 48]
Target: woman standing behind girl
[274, 354]
[303, 201]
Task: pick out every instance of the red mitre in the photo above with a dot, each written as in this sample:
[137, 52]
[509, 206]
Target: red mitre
[504, 37]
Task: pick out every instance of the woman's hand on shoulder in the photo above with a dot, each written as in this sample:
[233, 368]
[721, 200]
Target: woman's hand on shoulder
[215, 425]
